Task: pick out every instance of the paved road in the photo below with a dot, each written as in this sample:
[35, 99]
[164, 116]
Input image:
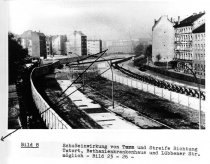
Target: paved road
[129, 65]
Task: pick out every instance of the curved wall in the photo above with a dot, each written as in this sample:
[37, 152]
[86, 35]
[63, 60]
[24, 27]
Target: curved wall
[49, 116]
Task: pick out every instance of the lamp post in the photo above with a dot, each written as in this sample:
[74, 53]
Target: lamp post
[199, 89]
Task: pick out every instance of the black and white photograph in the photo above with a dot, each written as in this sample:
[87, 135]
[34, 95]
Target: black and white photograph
[132, 66]
[85, 65]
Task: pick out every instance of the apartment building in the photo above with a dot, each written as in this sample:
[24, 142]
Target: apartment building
[163, 40]
[184, 41]
[199, 50]
[94, 46]
[35, 42]
[58, 45]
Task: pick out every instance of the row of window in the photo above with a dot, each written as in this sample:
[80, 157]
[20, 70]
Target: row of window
[186, 56]
[183, 38]
[200, 67]
[184, 30]
[200, 36]
[200, 56]
[199, 47]
[184, 46]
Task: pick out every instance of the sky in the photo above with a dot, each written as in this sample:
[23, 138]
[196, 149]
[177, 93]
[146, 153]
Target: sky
[107, 20]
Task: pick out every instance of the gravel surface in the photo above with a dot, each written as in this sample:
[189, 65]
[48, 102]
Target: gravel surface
[169, 113]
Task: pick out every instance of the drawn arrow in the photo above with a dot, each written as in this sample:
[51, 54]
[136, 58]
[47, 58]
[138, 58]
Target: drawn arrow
[2, 138]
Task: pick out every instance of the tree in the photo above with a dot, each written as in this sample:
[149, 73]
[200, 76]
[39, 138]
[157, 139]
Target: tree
[148, 52]
[139, 50]
[158, 57]
[17, 58]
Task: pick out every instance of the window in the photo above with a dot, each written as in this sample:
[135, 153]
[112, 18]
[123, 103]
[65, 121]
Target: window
[195, 66]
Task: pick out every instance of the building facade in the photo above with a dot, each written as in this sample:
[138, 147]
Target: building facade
[49, 45]
[184, 41]
[77, 44]
[199, 51]
[94, 46]
[35, 42]
[58, 45]
[163, 40]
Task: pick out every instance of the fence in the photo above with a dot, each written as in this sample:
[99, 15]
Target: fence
[49, 116]
[182, 99]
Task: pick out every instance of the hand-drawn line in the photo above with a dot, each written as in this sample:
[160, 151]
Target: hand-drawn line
[74, 91]
[3, 137]
[103, 52]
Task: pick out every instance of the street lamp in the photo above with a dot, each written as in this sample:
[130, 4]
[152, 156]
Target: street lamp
[199, 89]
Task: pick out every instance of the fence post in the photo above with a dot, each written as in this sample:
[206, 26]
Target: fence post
[178, 99]
[162, 92]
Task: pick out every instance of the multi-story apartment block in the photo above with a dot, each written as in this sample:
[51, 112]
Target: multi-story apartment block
[199, 50]
[184, 41]
[35, 42]
[49, 45]
[77, 45]
[163, 40]
[94, 46]
[58, 45]
[123, 46]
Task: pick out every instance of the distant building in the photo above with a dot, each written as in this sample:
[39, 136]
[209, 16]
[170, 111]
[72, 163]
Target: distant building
[58, 45]
[94, 46]
[49, 45]
[163, 40]
[77, 44]
[120, 46]
[199, 50]
[35, 42]
[184, 40]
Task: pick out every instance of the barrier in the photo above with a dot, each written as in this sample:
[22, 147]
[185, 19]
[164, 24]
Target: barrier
[182, 99]
[49, 116]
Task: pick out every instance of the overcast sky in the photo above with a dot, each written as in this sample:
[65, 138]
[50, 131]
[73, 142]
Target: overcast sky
[108, 20]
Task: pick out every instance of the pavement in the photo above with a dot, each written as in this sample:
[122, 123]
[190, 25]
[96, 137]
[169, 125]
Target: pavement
[103, 117]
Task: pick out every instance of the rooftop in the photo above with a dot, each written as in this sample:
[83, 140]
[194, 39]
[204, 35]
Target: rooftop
[200, 29]
[189, 20]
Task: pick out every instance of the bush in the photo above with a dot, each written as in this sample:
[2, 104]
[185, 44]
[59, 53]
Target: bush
[160, 64]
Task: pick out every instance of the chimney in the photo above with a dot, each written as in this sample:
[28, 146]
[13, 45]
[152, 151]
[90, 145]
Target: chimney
[154, 21]
[178, 19]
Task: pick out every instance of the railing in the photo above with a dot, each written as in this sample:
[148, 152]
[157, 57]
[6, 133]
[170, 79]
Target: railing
[49, 116]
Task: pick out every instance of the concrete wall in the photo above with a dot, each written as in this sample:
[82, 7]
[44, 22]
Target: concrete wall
[185, 100]
[163, 40]
[49, 116]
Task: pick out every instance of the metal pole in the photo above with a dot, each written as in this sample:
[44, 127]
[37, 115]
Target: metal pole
[112, 85]
[199, 107]
[83, 80]
[199, 89]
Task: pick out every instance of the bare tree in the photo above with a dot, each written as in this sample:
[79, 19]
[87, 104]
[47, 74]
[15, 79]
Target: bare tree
[158, 57]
